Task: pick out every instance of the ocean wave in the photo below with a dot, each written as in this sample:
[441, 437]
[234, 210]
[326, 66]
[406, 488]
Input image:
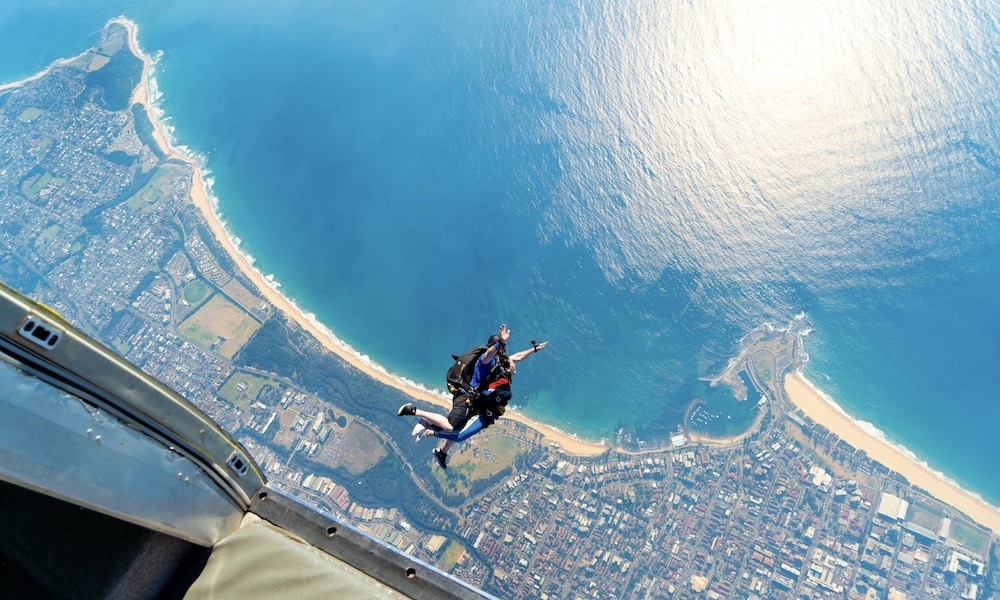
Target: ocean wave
[424, 388]
[153, 85]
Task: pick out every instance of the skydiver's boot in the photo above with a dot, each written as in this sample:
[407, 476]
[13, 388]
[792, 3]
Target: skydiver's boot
[441, 457]
[407, 410]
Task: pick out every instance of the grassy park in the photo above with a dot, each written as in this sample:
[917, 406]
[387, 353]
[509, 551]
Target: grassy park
[220, 326]
[195, 291]
[477, 459]
[973, 538]
[30, 114]
[452, 555]
[156, 190]
[242, 389]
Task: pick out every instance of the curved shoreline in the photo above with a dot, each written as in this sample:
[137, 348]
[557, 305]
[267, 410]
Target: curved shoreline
[200, 197]
[807, 397]
[58, 63]
[798, 389]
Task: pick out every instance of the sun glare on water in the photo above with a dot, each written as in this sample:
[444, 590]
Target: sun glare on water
[717, 117]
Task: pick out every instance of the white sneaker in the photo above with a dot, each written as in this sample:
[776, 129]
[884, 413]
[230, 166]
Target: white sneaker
[418, 432]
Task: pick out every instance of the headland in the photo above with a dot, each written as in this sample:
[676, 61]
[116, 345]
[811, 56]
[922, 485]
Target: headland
[773, 358]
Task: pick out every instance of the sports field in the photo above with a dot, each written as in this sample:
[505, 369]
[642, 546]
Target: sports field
[219, 325]
[481, 457]
[242, 389]
[195, 291]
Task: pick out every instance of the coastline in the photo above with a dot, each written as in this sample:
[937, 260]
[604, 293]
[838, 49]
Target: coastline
[805, 396]
[58, 63]
[201, 199]
[697, 438]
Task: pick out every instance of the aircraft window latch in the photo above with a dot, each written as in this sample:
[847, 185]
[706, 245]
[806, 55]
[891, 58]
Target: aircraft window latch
[238, 464]
[39, 332]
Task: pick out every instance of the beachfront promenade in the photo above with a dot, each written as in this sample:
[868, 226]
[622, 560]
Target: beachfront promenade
[112, 227]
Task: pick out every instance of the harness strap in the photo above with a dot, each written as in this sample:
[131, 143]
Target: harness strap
[498, 383]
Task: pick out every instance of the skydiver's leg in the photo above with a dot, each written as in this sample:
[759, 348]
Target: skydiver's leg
[473, 427]
[458, 418]
[450, 439]
[436, 420]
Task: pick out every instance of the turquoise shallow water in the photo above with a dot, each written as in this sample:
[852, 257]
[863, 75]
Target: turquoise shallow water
[639, 185]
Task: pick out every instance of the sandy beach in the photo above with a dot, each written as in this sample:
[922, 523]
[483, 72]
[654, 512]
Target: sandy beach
[61, 62]
[16, 84]
[817, 408]
[201, 199]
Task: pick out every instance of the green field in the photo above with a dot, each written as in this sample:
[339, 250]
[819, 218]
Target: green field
[154, 191]
[924, 516]
[495, 453]
[973, 538]
[198, 334]
[195, 292]
[97, 62]
[30, 114]
[243, 395]
[452, 555]
[762, 364]
[39, 184]
[36, 184]
[364, 449]
[120, 346]
[219, 325]
[285, 437]
[241, 295]
[42, 146]
[46, 236]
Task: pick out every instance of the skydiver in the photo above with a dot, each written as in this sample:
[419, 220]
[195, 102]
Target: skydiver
[487, 398]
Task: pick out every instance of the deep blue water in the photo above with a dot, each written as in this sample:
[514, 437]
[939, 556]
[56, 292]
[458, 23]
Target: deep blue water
[640, 185]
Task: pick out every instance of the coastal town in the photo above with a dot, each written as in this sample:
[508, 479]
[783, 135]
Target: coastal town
[99, 225]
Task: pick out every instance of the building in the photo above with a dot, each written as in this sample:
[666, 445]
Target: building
[892, 508]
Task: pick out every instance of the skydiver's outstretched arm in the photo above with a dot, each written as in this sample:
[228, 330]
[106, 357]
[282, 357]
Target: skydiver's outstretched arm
[523, 354]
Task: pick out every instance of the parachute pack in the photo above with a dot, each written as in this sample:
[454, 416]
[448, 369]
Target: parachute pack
[459, 375]
[459, 378]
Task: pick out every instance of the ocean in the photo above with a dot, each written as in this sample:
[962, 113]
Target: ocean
[641, 184]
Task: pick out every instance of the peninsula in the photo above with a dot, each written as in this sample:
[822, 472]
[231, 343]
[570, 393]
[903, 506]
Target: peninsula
[773, 359]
